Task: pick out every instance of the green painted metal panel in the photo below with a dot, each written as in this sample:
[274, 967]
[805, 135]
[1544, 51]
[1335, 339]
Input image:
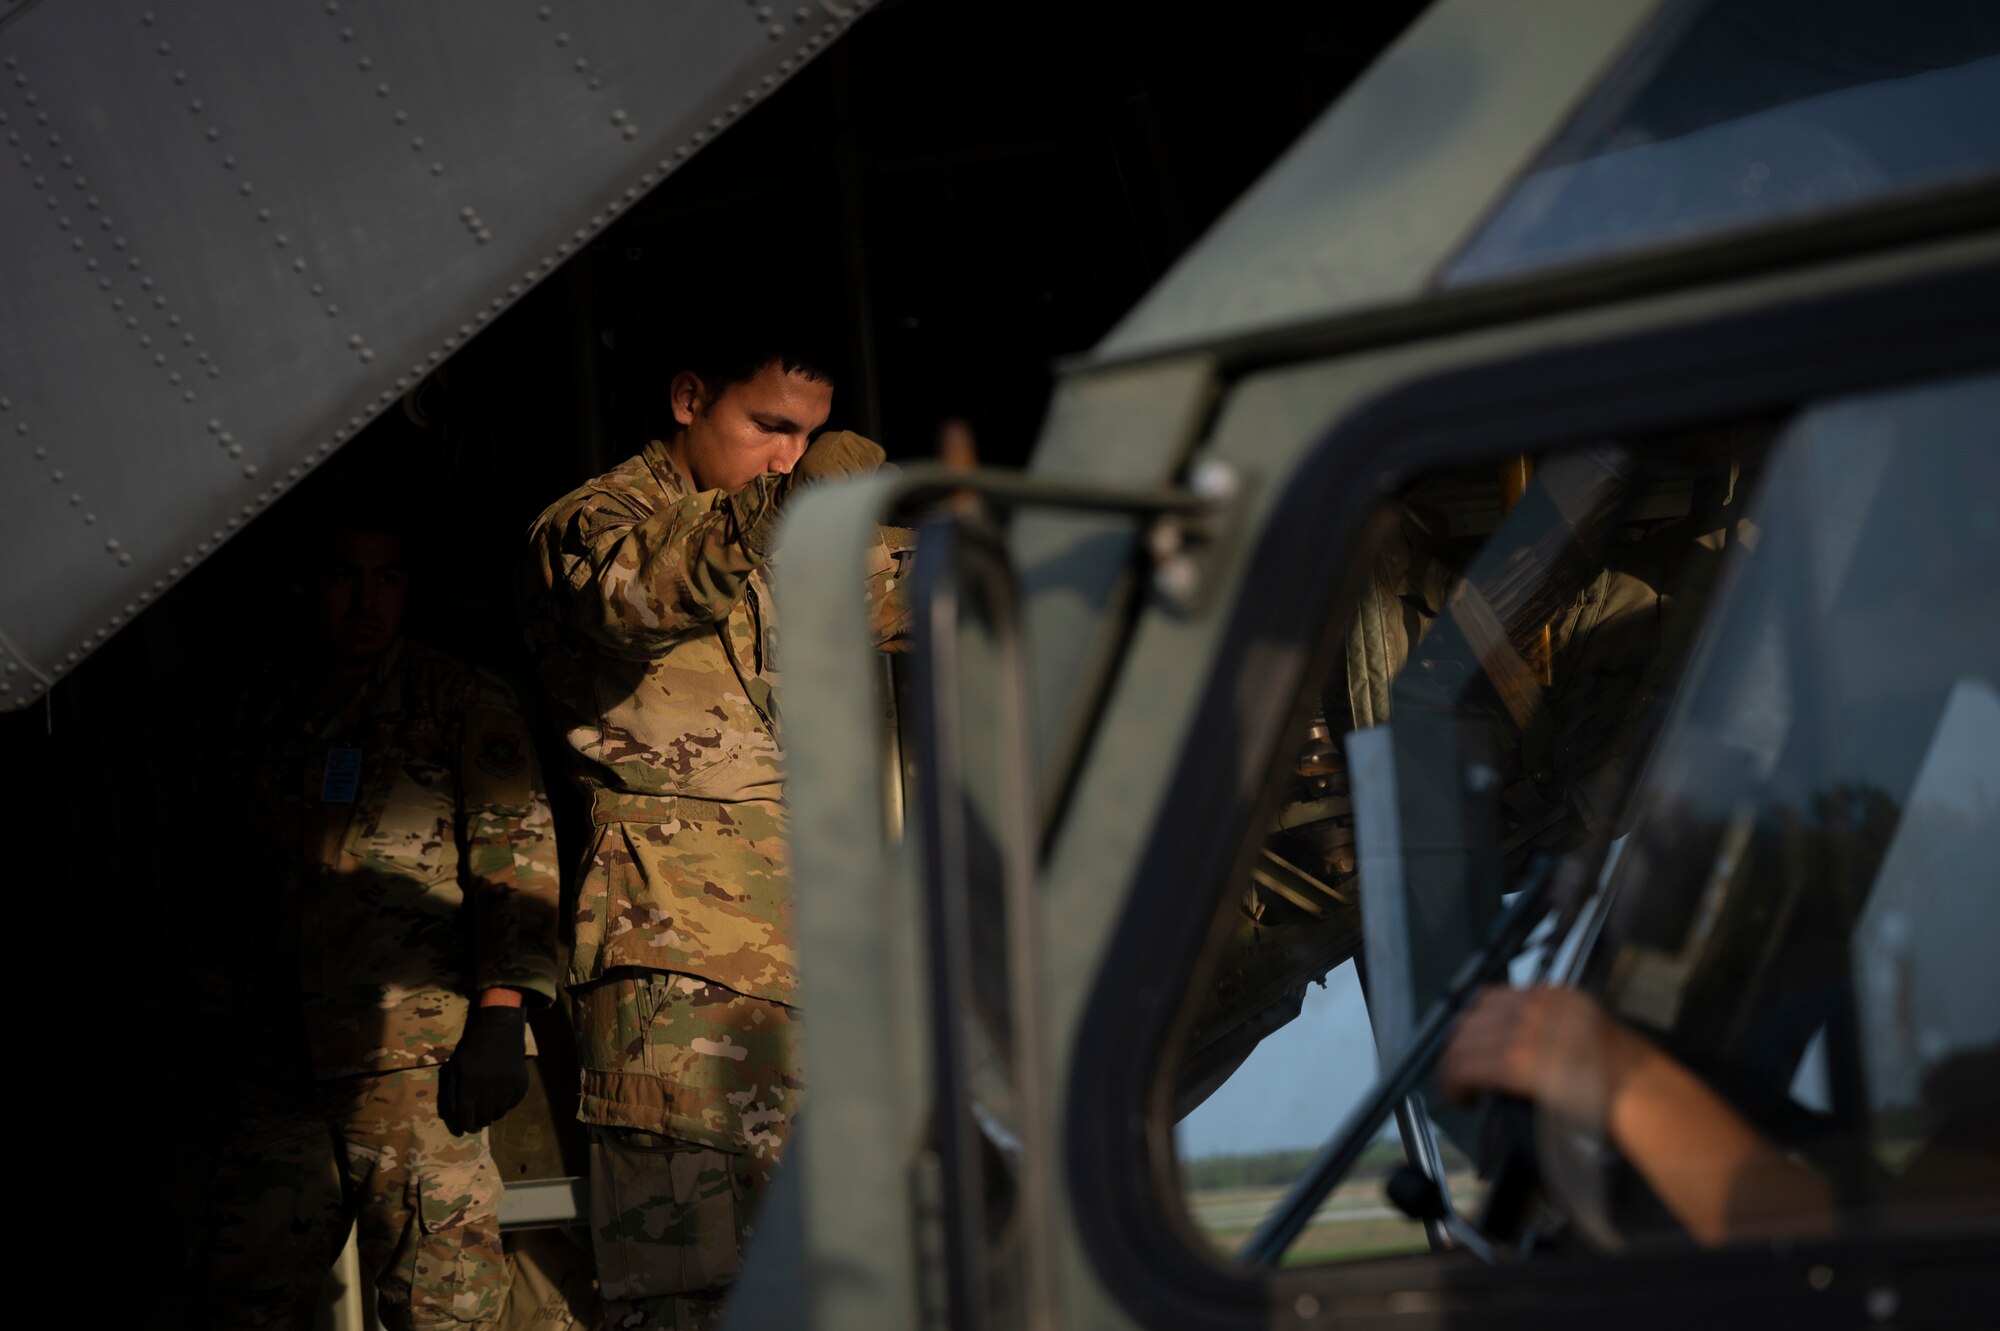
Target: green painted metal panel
[1390, 181]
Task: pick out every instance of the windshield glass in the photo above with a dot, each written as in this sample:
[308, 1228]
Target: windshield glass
[1733, 694]
[1808, 891]
[1514, 645]
[1737, 112]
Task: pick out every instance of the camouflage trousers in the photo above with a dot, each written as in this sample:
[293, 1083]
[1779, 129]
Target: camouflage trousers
[302, 1162]
[689, 1091]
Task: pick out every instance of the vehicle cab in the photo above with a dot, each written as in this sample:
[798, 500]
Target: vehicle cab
[1547, 532]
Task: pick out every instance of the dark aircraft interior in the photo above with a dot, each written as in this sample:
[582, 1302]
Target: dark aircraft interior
[973, 191]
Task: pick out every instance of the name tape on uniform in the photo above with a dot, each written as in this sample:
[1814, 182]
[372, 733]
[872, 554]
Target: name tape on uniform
[342, 777]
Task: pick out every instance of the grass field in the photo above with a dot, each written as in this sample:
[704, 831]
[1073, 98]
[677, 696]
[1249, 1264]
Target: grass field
[1356, 1221]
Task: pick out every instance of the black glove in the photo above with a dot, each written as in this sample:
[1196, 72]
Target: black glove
[488, 1072]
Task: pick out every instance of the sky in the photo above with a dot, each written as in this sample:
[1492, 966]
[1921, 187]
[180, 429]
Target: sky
[1298, 1085]
[1301, 1081]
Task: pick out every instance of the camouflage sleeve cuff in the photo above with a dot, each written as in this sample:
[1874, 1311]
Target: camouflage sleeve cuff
[540, 984]
[755, 511]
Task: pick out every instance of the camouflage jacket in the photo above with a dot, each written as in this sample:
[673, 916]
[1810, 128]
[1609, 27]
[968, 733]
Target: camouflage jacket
[648, 607]
[430, 877]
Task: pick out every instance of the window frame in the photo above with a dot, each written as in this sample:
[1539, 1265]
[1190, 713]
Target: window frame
[1117, 1134]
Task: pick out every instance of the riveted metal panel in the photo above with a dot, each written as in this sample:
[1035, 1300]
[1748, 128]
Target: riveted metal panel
[233, 232]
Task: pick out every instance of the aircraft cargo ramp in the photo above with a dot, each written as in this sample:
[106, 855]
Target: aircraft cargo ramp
[233, 233]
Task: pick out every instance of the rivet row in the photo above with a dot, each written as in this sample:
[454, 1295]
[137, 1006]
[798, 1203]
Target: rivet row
[514, 289]
[281, 240]
[81, 184]
[400, 117]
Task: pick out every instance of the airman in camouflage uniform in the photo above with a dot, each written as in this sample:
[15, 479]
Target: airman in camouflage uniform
[402, 869]
[649, 607]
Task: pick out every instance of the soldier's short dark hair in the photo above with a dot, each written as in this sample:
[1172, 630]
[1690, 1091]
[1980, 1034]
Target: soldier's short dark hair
[732, 341]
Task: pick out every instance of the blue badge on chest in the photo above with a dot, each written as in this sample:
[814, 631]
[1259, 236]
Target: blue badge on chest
[342, 777]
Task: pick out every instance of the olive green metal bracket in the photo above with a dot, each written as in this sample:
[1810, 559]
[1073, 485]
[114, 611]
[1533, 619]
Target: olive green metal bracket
[882, 941]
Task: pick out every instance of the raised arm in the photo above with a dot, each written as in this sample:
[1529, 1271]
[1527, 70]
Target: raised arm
[887, 592]
[843, 453]
[633, 579]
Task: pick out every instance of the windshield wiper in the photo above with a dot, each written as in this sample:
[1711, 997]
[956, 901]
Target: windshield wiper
[1488, 962]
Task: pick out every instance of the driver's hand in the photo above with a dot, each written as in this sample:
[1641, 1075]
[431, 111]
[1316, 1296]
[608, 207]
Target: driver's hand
[1553, 1046]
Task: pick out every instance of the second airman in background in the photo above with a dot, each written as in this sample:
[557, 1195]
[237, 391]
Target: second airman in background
[369, 962]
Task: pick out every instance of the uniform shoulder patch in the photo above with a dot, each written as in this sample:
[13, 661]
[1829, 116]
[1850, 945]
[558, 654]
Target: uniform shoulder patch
[500, 753]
